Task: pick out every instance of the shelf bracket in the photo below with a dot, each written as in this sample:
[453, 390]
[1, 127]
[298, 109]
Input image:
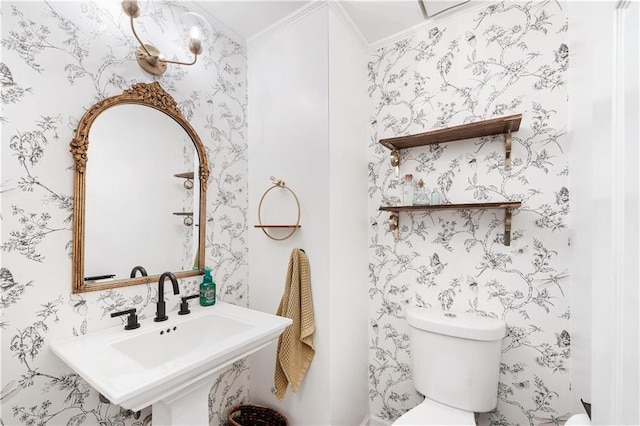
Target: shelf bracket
[507, 149]
[507, 227]
[395, 162]
[394, 225]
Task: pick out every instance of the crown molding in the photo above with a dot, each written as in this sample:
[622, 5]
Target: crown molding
[440, 19]
[336, 5]
[344, 16]
[217, 24]
[285, 22]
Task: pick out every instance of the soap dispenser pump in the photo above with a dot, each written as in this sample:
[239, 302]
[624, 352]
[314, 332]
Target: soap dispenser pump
[207, 289]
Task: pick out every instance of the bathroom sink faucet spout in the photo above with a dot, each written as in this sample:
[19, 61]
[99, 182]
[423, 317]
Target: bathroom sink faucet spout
[143, 272]
[161, 305]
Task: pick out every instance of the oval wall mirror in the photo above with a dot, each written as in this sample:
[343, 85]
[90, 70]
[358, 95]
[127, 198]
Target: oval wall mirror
[139, 192]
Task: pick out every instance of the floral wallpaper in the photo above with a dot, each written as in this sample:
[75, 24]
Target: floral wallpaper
[491, 61]
[58, 58]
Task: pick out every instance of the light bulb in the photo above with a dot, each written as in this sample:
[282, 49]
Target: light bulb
[194, 34]
[196, 28]
[195, 46]
[131, 8]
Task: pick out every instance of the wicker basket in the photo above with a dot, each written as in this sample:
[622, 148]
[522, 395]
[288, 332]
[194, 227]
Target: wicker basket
[255, 415]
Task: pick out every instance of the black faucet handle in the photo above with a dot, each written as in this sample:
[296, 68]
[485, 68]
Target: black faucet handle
[132, 320]
[184, 306]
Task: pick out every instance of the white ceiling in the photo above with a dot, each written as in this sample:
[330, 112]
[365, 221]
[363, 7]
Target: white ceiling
[375, 19]
[247, 18]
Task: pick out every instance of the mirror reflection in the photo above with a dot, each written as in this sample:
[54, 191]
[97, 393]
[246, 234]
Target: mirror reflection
[136, 207]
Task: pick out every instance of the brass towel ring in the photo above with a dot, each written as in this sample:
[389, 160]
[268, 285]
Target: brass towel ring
[277, 183]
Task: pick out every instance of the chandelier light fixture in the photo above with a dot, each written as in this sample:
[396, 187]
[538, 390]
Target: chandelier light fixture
[148, 56]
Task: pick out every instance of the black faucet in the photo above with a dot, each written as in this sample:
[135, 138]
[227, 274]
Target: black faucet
[132, 319]
[161, 305]
[143, 272]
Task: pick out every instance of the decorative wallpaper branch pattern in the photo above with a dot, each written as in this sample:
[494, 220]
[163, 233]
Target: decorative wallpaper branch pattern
[57, 60]
[507, 58]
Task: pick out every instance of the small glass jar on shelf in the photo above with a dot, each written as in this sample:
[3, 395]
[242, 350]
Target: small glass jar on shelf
[421, 195]
[435, 197]
[407, 190]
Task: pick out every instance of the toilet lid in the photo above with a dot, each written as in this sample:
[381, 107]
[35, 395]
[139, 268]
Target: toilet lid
[434, 413]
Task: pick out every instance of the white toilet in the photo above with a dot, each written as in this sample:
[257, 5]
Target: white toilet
[455, 359]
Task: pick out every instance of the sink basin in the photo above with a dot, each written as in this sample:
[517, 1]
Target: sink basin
[163, 363]
[164, 344]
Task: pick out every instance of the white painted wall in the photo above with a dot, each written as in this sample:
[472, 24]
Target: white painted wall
[288, 138]
[307, 126]
[583, 215]
[604, 111]
[347, 222]
[628, 94]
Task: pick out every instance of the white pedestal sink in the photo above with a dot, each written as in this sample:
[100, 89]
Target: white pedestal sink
[170, 365]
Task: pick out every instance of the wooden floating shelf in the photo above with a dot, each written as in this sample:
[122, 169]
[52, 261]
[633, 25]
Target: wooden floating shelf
[394, 219]
[497, 205]
[278, 226]
[494, 126]
[186, 175]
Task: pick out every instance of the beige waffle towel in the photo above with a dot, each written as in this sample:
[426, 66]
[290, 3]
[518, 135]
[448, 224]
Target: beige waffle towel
[295, 344]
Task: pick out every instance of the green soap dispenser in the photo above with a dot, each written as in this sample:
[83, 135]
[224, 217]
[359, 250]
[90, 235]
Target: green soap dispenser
[207, 289]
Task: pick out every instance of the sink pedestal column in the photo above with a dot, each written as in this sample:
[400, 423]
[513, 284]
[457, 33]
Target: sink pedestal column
[190, 407]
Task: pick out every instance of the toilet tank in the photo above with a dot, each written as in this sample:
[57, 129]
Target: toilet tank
[455, 357]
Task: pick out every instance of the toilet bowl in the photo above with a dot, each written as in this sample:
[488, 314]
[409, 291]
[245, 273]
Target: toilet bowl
[433, 413]
[455, 359]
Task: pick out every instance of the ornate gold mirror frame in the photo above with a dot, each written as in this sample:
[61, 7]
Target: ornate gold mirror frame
[151, 95]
